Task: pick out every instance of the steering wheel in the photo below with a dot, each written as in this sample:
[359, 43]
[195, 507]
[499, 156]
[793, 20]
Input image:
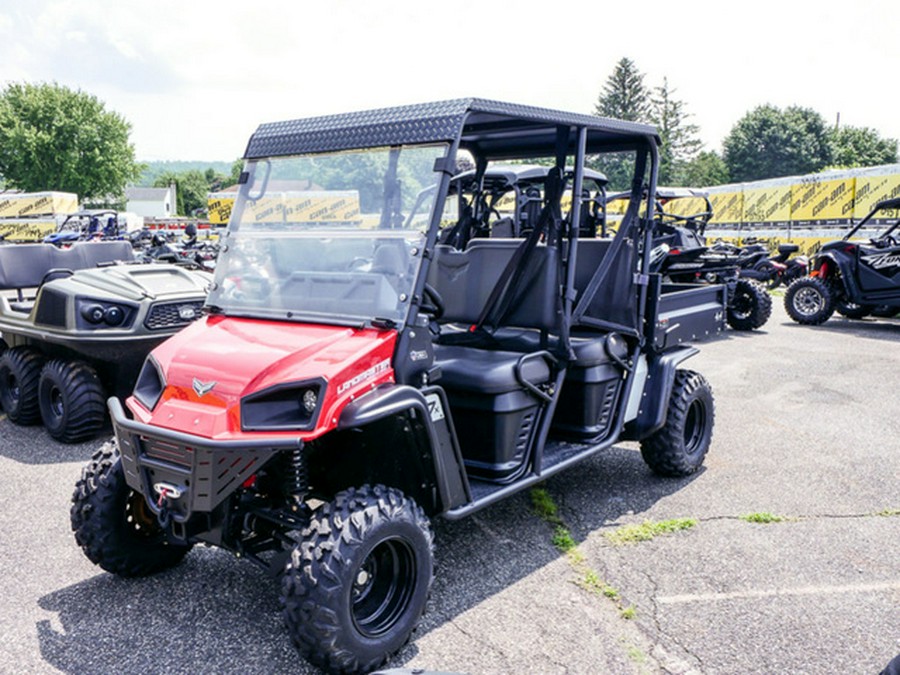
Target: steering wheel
[432, 302]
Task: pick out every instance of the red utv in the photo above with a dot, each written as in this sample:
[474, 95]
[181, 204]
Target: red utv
[353, 377]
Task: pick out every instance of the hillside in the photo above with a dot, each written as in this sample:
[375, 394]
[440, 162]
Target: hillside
[155, 169]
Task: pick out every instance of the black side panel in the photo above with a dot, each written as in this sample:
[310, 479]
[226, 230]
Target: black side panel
[51, 308]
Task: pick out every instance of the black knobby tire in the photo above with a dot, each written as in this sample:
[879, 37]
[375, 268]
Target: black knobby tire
[357, 583]
[809, 301]
[750, 306]
[851, 310]
[20, 372]
[679, 447]
[113, 524]
[71, 399]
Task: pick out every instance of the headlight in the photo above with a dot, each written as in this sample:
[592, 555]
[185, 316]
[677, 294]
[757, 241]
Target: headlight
[285, 407]
[96, 314]
[150, 384]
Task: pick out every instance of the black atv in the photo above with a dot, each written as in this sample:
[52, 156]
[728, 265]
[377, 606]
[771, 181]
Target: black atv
[77, 327]
[682, 255]
[855, 278]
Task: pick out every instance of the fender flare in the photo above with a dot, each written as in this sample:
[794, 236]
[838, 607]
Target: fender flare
[388, 400]
[847, 285]
[655, 398]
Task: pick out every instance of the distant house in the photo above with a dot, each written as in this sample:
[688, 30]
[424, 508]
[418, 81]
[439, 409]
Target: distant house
[151, 202]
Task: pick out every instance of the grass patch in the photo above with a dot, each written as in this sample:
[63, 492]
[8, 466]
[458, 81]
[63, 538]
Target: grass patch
[562, 539]
[586, 578]
[631, 534]
[636, 655]
[544, 506]
[763, 517]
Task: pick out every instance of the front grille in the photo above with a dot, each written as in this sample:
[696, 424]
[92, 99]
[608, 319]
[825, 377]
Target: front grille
[169, 314]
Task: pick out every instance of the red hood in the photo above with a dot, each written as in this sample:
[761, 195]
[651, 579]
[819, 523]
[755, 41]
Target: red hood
[243, 356]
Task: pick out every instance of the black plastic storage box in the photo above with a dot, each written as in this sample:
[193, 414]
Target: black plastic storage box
[494, 413]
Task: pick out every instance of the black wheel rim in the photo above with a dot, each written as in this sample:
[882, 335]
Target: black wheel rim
[383, 587]
[57, 404]
[742, 306]
[694, 426]
[140, 518]
[11, 385]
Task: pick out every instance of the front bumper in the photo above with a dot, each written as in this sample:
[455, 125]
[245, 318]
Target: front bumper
[190, 473]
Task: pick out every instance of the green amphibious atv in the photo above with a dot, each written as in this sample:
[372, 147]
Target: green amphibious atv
[76, 327]
[360, 370]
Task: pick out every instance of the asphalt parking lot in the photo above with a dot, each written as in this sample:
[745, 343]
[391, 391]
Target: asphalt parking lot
[807, 431]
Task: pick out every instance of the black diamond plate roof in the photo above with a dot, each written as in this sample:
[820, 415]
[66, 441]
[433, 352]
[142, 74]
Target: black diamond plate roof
[481, 124]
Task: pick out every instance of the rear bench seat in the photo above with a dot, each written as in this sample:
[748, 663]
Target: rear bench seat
[593, 378]
[26, 265]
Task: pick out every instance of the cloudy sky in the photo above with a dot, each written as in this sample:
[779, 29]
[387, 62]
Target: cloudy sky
[194, 78]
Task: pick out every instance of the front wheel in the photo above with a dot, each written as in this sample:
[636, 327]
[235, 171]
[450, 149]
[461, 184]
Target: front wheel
[113, 524]
[356, 584]
[750, 306]
[809, 301]
[678, 449]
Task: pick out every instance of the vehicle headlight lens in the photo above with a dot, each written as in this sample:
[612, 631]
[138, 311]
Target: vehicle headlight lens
[310, 400]
[283, 407]
[114, 316]
[92, 313]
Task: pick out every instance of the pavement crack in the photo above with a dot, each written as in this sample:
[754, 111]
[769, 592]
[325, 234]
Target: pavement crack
[668, 663]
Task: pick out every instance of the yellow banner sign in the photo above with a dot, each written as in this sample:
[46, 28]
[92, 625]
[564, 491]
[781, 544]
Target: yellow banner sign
[29, 204]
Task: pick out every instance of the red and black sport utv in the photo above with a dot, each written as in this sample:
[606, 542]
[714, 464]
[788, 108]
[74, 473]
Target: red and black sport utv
[353, 377]
[856, 278]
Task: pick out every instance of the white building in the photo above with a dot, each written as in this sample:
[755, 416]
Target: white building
[151, 202]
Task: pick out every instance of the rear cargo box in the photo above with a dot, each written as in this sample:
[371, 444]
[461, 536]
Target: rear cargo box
[679, 313]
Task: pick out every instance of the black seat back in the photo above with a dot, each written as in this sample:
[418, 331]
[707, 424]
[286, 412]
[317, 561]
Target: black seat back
[465, 280]
[24, 265]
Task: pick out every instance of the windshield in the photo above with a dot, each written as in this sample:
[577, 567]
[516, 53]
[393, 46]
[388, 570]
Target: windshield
[333, 238]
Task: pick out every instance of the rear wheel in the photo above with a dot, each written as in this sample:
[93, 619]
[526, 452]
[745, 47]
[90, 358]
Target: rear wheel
[750, 306]
[356, 585]
[113, 524]
[809, 301]
[71, 400]
[20, 371]
[678, 449]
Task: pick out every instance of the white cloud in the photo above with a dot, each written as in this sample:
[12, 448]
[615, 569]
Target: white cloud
[196, 78]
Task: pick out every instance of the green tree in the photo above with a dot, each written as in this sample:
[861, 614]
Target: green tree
[853, 147]
[769, 142]
[623, 97]
[679, 141]
[192, 188]
[705, 170]
[54, 138]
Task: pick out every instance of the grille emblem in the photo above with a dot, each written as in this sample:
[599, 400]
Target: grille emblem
[187, 312]
[203, 388]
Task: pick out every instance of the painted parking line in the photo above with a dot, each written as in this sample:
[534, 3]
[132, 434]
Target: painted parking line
[779, 592]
